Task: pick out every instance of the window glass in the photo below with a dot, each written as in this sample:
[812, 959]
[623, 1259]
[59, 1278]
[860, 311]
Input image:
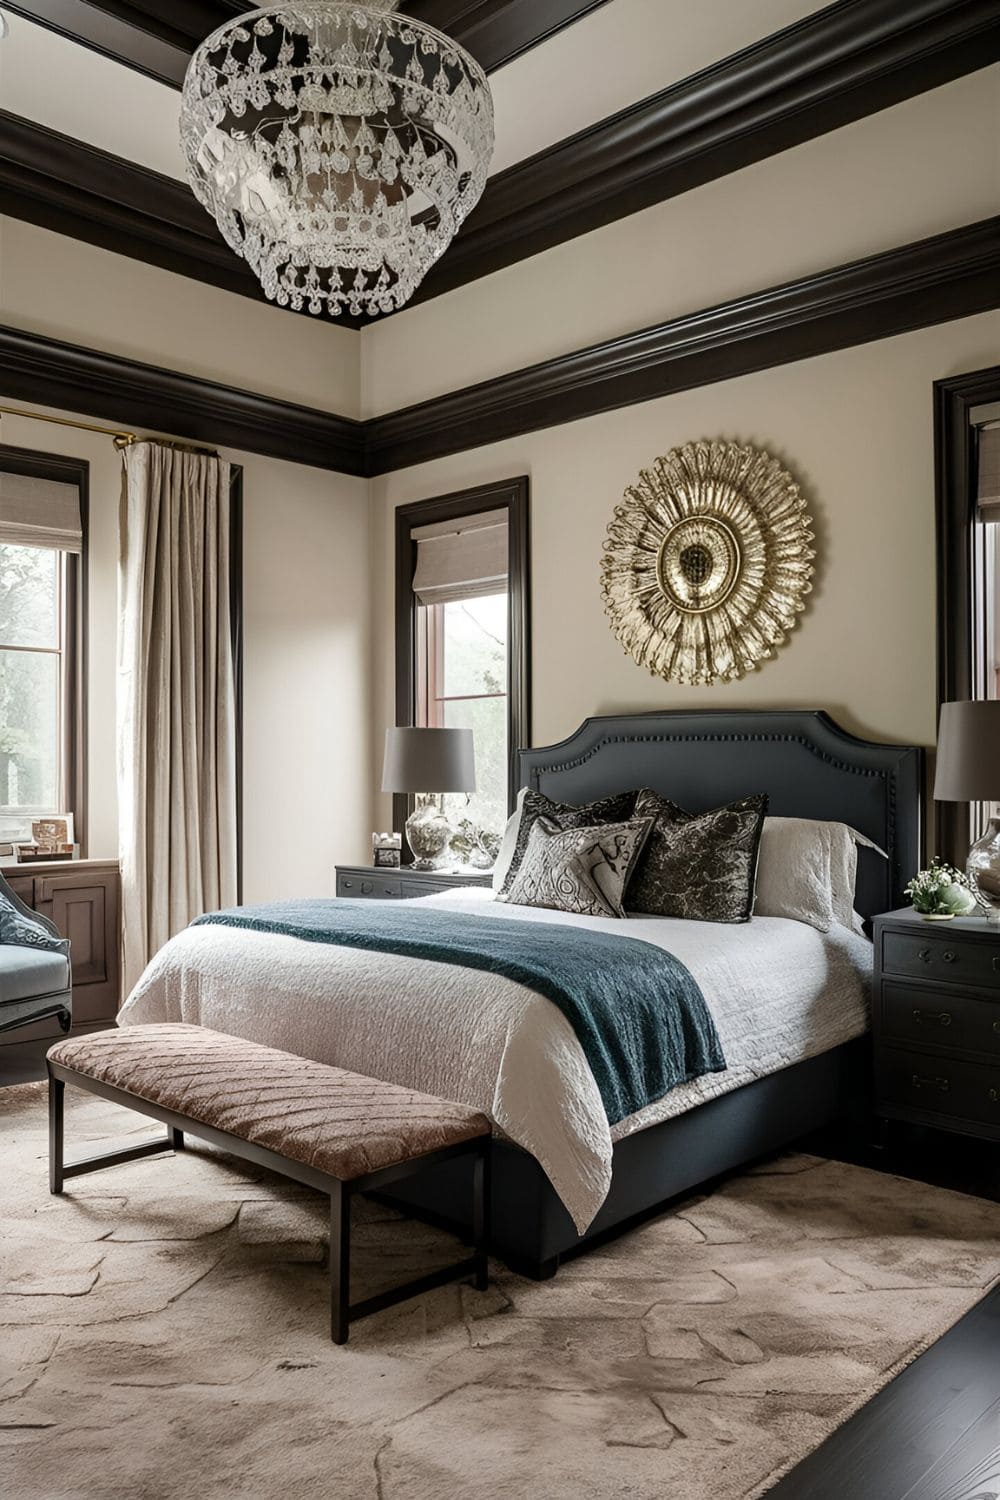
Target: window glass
[465, 666]
[31, 687]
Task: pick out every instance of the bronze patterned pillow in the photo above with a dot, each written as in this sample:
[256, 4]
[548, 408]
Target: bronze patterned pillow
[580, 870]
[563, 815]
[702, 866]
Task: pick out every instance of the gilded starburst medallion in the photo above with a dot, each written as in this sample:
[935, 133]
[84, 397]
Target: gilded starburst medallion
[707, 562]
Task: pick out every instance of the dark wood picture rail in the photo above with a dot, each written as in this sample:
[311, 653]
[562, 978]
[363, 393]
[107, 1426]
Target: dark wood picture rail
[136, 33]
[935, 280]
[845, 62]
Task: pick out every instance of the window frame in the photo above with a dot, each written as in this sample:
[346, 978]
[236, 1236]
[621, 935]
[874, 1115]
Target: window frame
[959, 556]
[73, 707]
[511, 495]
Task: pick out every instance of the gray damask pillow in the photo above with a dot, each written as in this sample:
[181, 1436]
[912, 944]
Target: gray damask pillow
[702, 866]
[563, 815]
[580, 870]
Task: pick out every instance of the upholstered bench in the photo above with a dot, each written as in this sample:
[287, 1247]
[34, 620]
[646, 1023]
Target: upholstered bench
[335, 1131]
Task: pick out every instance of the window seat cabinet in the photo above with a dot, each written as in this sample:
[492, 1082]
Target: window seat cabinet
[83, 898]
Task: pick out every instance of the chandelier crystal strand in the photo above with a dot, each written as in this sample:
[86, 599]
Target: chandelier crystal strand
[339, 148]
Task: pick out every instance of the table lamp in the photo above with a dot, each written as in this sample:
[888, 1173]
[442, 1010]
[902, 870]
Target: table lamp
[428, 763]
[968, 770]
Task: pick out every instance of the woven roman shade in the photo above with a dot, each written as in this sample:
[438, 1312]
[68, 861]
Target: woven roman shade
[40, 513]
[463, 559]
[988, 475]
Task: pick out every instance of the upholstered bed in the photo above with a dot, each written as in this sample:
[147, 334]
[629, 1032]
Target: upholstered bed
[789, 1001]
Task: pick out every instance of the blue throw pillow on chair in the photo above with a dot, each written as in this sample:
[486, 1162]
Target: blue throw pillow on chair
[19, 931]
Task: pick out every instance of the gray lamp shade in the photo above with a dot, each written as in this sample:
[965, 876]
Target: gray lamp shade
[429, 760]
[968, 753]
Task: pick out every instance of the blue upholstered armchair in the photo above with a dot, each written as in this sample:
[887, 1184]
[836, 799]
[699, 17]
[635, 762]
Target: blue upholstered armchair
[35, 979]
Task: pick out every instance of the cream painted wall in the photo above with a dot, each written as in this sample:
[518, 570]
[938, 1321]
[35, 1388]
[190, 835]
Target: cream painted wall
[855, 428]
[84, 295]
[869, 187]
[307, 651]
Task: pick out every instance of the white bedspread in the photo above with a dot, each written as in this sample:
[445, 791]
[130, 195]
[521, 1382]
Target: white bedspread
[779, 992]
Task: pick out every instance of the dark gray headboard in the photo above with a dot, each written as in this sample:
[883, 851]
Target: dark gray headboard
[807, 765]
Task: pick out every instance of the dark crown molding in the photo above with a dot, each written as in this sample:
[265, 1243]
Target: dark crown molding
[839, 65]
[850, 60]
[97, 384]
[136, 33]
[932, 281]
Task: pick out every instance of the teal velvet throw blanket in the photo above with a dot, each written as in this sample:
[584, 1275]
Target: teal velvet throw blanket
[637, 1011]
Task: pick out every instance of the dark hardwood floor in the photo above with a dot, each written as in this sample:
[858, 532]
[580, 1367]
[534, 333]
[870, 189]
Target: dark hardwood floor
[934, 1432]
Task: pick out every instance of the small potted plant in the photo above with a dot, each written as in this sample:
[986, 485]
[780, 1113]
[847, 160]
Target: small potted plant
[941, 892]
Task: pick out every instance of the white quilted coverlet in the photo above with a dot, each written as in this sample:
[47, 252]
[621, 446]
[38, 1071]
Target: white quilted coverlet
[779, 991]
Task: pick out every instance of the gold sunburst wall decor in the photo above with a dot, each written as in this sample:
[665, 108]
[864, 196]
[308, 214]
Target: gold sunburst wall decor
[707, 562]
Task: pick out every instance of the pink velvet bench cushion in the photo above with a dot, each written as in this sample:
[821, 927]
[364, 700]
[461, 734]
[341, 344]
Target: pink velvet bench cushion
[340, 1123]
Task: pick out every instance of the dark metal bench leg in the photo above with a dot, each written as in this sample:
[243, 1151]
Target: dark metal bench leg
[481, 1190]
[57, 1090]
[176, 1138]
[340, 1262]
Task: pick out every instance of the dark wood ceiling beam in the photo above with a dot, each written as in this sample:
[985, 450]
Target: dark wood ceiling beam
[77, 190]
[932, 281]
[134, 32]
[96, 384]
[839, 65]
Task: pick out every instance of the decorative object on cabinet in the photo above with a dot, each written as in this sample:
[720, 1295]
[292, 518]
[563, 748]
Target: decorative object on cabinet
[387, 851]
[936, 1023]
[968, 770]
[82, 900]
[370, 884]
[428, 762]
[707, 562]
[339, 148]
[940, 893]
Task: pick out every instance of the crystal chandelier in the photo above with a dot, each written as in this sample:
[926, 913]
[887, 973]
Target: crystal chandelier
[339, 148]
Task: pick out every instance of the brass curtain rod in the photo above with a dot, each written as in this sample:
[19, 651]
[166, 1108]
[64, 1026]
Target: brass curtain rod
[121, 438]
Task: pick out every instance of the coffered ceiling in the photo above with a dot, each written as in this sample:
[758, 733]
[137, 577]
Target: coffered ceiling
[603, 108]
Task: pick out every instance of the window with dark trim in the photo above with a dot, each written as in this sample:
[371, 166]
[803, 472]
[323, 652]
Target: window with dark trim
[462, 636]
[43, 655]
[968, 565]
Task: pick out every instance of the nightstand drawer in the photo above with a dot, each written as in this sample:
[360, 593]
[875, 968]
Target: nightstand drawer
[941, 1086]
[933, 1017]
[938, 955]
[370, 887]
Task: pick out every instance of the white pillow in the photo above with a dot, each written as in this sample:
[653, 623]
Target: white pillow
[509, 842]
[807, 871]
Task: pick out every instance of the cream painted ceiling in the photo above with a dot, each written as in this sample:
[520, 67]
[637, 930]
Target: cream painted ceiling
[618, 54]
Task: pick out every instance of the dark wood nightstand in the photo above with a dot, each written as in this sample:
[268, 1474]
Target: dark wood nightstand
[369, 884]
[936, 1022]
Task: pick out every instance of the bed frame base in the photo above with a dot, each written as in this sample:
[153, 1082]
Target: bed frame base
[532, 1232]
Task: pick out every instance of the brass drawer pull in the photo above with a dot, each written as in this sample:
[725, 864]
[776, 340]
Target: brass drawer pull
[942, 1017]
[995, 1095]
[924, 955]
[348, 885]
[996, 1027]
[941, 1084]
[950, 957]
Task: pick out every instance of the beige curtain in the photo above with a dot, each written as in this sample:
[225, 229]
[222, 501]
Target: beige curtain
[176, 697]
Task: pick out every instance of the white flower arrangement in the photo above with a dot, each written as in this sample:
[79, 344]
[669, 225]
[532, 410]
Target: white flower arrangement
[942, 891]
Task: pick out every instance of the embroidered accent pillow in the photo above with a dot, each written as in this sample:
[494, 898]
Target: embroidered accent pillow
[701, 866]
[808, 871]
[535, 805]
[19, 931]
[580, 870]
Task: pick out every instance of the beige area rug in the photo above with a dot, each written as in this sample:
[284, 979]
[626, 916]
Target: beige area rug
[163, 1335]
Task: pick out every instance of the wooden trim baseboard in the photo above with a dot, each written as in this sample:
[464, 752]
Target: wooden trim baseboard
[931, 281]
[936, 280]
[847, 61]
